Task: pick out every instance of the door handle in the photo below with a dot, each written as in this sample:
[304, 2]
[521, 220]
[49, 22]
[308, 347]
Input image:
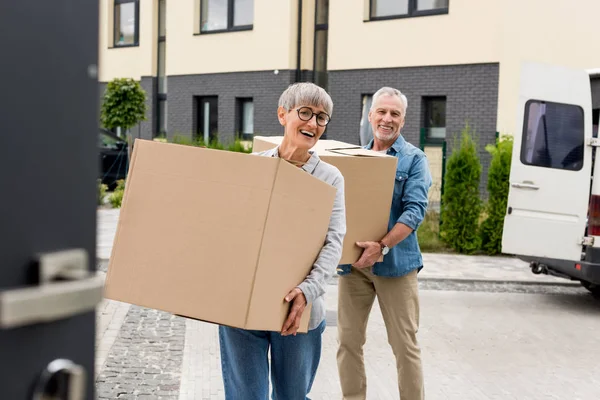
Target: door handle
[65, 288]
[61, 380]
[524, 185]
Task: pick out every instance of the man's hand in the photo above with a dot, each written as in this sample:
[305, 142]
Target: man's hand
[370, 255]
[292, 323]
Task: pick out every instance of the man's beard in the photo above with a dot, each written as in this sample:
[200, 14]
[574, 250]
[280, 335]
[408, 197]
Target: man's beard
[386, 137]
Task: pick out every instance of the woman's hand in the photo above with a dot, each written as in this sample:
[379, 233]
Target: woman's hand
[292, 323]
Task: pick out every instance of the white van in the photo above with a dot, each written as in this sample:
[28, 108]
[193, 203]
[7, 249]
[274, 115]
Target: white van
[553, 212]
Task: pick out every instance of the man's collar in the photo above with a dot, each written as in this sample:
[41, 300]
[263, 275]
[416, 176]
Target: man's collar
[397, 145]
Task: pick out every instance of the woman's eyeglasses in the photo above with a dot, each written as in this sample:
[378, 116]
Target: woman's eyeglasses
[305, 114]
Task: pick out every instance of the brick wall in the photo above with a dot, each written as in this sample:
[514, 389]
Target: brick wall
[264, 87]
[471, 95]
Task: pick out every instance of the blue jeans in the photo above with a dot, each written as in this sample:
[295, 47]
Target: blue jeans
[245, 366]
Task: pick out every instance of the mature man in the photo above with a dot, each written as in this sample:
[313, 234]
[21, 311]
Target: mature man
[394, 280]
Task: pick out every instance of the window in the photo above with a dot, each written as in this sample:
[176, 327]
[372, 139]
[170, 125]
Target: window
[320, 43]
[161, 88]
[320, 67]
[434, 117]
[366, 132]
[161, 56]
[207, 113]
[226, 15]
[553, 135]
[387, 9]
[126, 23]
[245, 118]
[595, 122]
[162, 116]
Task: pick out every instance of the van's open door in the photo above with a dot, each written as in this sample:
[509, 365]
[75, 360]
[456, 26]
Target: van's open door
[551, 164]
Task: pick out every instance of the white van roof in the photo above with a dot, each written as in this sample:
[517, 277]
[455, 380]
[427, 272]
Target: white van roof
[593, 72]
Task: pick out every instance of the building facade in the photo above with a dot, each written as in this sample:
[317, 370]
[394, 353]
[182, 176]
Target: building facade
[214, 69]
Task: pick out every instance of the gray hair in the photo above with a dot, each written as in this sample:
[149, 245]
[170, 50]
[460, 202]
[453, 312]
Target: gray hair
[386, 90]
[306, 93]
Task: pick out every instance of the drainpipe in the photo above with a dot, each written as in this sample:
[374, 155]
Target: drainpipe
[299, 44]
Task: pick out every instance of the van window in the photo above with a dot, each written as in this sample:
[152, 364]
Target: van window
[553, 135]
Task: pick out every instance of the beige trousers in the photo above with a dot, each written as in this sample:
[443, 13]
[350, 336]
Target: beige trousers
[399, 302]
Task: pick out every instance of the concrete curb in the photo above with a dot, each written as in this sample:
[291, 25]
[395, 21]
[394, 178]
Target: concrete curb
[333, 280]
[500, 281]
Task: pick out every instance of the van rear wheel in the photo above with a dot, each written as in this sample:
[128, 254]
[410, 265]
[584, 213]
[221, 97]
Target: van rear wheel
[593, 288]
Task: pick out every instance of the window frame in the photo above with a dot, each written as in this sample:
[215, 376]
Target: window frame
[425, 101]
[524, 135]
[199, 114]
[136, 34]
[230, 19]
[320, 27]
[367, 123]
[239, 118]
[412, 12]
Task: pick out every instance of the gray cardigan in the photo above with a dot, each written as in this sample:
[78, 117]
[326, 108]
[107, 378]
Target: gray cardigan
[325, 266]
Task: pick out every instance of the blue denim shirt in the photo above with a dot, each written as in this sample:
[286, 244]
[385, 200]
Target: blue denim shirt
[409, 205]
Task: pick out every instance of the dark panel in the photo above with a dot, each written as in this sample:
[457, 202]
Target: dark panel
[595, 92]
[49, 167]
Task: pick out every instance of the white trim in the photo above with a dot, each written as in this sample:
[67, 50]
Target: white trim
[593, 72]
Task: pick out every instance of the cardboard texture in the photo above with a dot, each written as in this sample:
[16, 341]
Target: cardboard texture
[215, 235]
[369, 186]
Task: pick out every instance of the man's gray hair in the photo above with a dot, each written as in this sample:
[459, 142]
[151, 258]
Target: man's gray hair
[306, 94]
[386, 90]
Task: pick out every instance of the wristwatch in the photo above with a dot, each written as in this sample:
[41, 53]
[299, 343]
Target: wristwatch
[384, 248]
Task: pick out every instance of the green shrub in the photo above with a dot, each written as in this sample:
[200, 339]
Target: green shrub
[428, 234]
[236, 146]
[461, 205]
[123, 104]
[102, 189]
[498, 185]
[188, 141]
[116, 197]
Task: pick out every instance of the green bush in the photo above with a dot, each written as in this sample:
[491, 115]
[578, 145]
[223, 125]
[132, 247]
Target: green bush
[116, 197]
[498, 185]
[102, 189]
[236, 146]
[123, 104]
[461, 205]
[428, 234]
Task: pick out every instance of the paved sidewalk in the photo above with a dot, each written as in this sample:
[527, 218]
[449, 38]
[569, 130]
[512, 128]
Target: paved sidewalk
[476, 345]
[436, 266]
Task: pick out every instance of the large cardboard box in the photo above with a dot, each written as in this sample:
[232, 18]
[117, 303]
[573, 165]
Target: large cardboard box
[216, 235]
[369, 178]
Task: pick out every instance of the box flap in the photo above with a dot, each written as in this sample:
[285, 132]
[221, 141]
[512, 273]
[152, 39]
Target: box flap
[353, 151]
[322, 147]
[185, 224]
[296, 226]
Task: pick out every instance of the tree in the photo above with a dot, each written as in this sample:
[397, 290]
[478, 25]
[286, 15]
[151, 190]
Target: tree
[461, 205]
[123, 106]
[498, 185]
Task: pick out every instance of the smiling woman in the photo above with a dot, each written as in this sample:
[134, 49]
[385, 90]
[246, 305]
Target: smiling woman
[304, 111]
